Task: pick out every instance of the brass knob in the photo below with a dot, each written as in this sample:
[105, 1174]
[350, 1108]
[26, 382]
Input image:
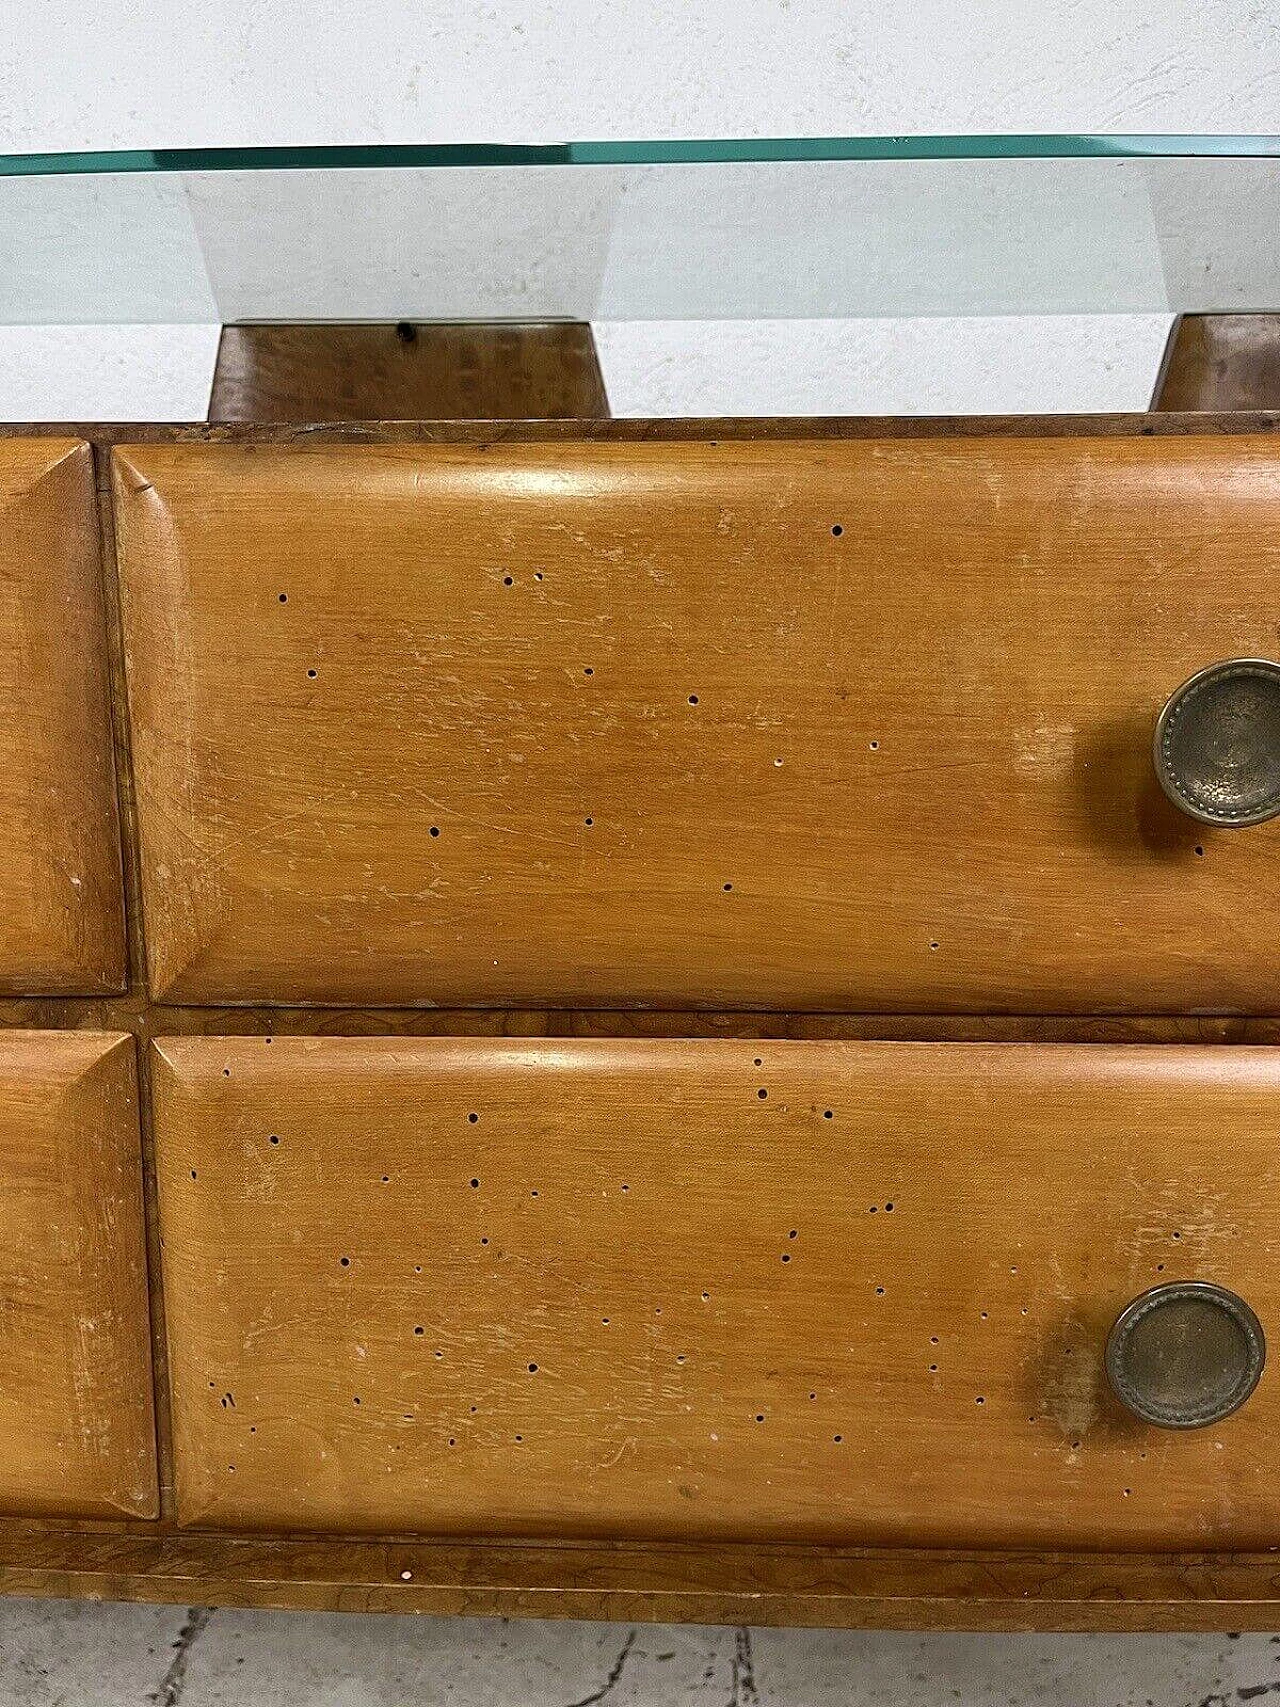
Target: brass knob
[1185, 1355]
[1217, 743]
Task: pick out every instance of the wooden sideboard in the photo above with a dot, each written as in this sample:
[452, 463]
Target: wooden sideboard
[600, 1018]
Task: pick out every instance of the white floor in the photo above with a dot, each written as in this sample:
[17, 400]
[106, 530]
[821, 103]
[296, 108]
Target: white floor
[60, 1654]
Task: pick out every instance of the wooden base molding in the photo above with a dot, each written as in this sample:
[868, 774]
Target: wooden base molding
[884, 1589]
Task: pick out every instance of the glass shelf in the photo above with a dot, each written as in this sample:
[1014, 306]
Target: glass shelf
[790, 228]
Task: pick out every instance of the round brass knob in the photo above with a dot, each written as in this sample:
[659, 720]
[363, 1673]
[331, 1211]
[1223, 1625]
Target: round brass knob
[1185, 1355]
[1217, 743]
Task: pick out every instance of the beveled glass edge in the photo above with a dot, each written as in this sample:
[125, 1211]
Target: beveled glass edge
[709, 151]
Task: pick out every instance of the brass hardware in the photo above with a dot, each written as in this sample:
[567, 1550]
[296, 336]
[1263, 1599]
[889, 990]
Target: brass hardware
[1217, 743]
[1185, 1355]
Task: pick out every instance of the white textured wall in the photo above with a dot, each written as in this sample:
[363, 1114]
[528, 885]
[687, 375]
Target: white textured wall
[119, 74]
[106, 373]
[1068, 364]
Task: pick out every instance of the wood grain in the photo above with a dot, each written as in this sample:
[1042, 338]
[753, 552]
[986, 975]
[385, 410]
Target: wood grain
[409, 371]
[76, 1427]
[60, 898]
[145, 1019]
[1222, 361]
[813, 726]
[713, 1291]
[1160, 424]
[709, 1580]
[833, 1588]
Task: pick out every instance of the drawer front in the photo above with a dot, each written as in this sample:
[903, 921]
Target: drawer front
[847, 1293]
[860, 726]
[60, 893]
[76, 1429]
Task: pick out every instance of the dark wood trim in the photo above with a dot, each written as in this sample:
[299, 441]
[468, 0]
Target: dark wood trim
[1151, 425]
[530, 370]
[145, 1020]
[825, 1588]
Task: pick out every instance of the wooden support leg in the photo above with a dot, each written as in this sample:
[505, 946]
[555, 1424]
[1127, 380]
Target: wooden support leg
[271, 372]
[1222, 361]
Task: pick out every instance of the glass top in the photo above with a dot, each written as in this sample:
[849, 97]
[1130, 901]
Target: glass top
[691, 152]
[737, 229]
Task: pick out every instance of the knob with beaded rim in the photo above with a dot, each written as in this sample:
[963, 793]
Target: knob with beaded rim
[1185, 1355]
[1217, 744]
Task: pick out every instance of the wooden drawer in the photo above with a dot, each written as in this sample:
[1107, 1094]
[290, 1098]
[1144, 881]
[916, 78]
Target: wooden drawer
[76, 1431]
[826, 1292]
[60, 894]
[861, 726]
